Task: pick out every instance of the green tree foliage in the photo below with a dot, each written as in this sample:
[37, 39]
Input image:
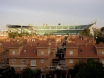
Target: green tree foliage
[99, 39]
[97, 33]
[28, 73]
[98, 36]
[37, 73]
[15, 34]
[9, 72]
[73, 72]
[92, 69]
[102, 29]
[12, 34]
[85, 32]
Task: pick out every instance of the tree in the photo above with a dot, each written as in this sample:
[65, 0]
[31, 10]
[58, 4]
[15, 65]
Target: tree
[98, 33]
[15, 34]
[73, 72]
[98, 36]
[99, 39]
[92, 69]
[85, 32]
[12, 34]
[37, 73]
[28, 73]
[9, 72]
[102, 29]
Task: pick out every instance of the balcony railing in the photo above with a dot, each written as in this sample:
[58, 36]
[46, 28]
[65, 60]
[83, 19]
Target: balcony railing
[58, 67]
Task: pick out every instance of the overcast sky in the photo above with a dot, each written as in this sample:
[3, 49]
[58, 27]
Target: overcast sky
[51, 12]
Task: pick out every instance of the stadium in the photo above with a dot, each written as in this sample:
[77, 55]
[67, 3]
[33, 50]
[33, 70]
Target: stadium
[57, 30]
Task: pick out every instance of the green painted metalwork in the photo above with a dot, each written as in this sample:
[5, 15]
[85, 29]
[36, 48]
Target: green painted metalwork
[48, 29]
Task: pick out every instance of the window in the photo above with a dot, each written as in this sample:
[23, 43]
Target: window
[24, 51]
[91, 51]
[71, 60]
[80, 50]
[42, 61]
[71, 52]
[49, 43]
[22, 61]
[14, 60]
[34, 51]
[33, 62]
[42, 52]
[13, 52]
[102, 52]
[42, 68]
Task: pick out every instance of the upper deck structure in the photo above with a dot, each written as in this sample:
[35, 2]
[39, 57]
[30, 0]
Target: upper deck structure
[58, 30]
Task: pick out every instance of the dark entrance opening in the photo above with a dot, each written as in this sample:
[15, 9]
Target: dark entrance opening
[49, 75]
[61, 75]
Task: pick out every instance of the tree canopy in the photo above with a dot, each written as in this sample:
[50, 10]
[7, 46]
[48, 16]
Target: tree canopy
[97, 33]
[29, 73]
[92, 69]
[99, 39]
[37, 73]
[15, 34]
[85, 32]
[98, 36]
[75, 70]
[9, 72]
[102, 29]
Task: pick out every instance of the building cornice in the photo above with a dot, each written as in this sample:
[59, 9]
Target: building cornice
[71, 47]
